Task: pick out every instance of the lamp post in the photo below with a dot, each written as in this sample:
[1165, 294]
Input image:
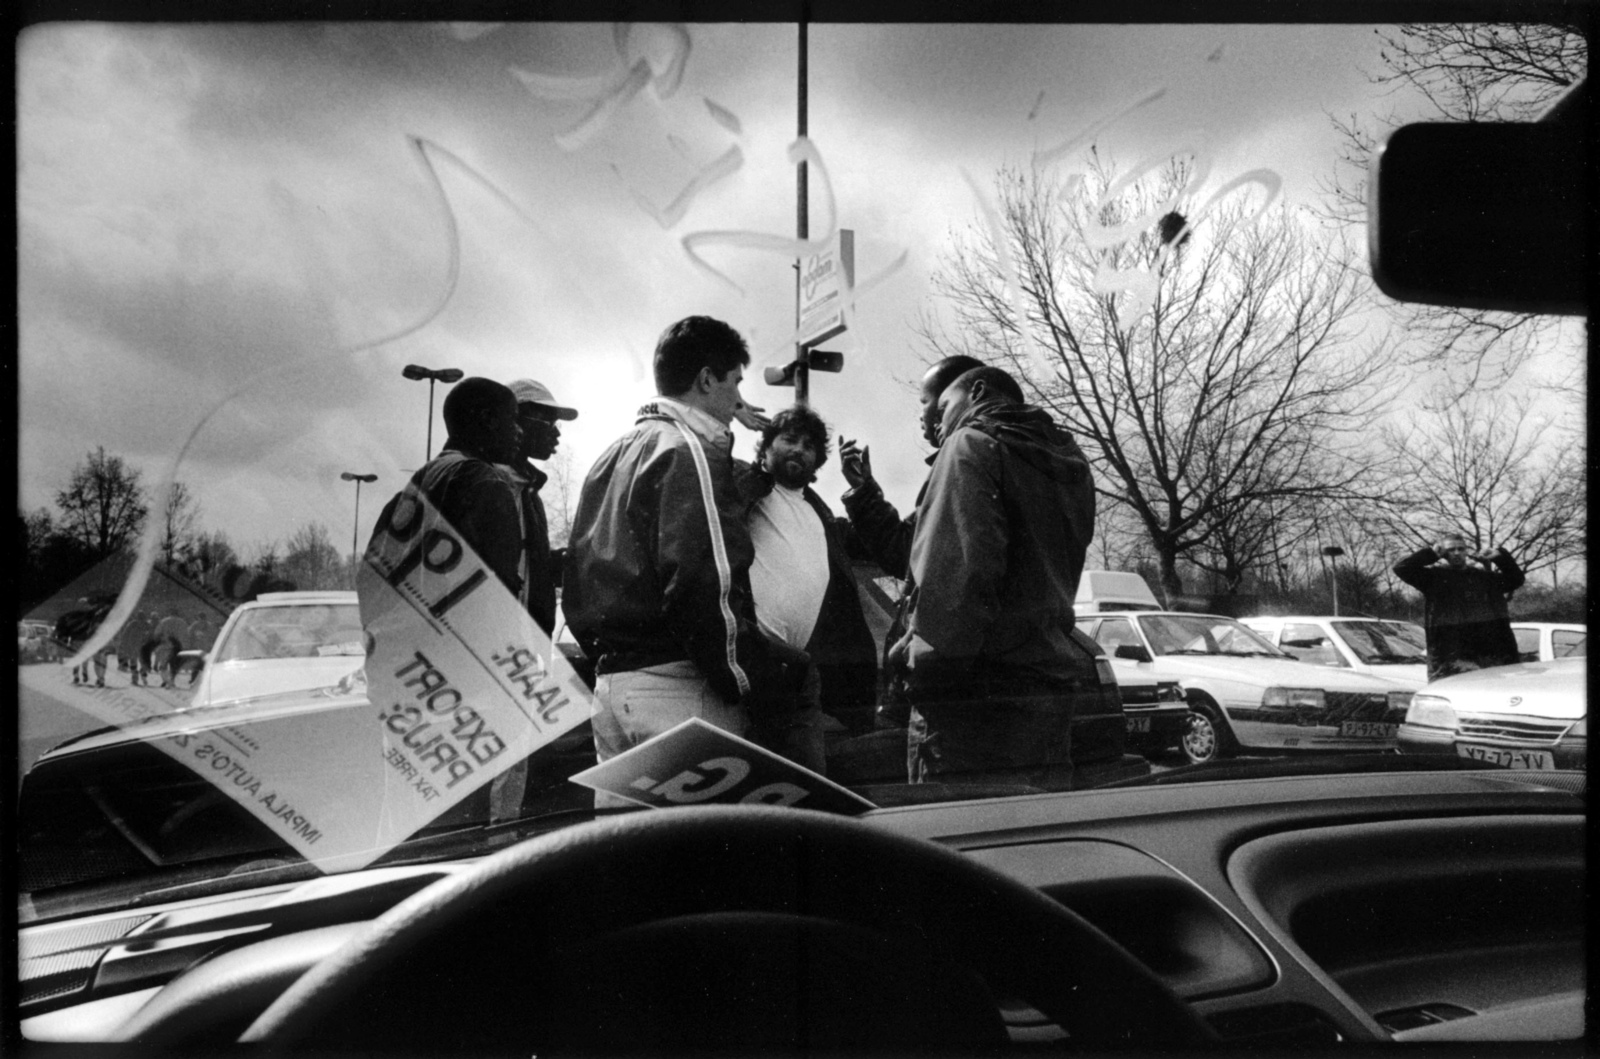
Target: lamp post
[1333, 551]
[433, 375]
[355, 527]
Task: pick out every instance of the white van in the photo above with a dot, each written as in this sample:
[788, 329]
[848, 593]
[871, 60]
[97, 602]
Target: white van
[1102, 590]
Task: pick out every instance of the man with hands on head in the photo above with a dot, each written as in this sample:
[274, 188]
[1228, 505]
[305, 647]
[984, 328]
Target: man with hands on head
[1467, 622]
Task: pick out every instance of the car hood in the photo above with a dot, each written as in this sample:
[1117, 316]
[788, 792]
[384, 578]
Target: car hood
[227, 681]
[1555, 689]
[1412, 675]
[1273, 672]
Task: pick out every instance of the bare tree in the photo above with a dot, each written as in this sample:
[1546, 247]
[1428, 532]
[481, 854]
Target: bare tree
[1458, 72]
[561, 498]
[310, 559]
[1243, 385]
[1486, 468]
[103, 507]
[179, 516]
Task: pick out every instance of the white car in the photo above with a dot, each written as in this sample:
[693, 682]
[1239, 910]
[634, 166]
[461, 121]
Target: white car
[1543, 641]
[1533, 715]
[1394, 650]
[283, 641]
[1245, 693]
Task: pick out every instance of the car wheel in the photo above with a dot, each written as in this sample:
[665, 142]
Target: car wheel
[1207, 737]
[683, 930]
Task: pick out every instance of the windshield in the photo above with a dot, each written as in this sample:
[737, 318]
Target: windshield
[412, 311]
[1204, 635]
[1382, 643]
[305, 631]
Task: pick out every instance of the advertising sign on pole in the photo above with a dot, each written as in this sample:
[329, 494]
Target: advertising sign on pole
[825, 280]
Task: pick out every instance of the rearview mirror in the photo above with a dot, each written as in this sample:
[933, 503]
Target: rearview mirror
[1485, 216]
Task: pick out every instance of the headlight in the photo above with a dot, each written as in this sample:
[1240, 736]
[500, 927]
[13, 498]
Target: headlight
[1400, 701]
[1431, 711]
[1294, 698]
[1169, 692]
[1107, 675]
[1579, 730]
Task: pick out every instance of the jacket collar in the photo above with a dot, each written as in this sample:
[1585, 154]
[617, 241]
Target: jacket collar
[700, 422]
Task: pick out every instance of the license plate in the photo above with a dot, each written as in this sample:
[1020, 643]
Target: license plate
[1507, 758]
[1138, 724]
[1368, 730]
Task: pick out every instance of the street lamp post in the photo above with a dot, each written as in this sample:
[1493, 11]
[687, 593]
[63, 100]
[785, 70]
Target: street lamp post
[355, 528]
[1333, 551]
[445, 375]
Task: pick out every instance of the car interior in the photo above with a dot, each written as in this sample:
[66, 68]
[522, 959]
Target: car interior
[1285, 906]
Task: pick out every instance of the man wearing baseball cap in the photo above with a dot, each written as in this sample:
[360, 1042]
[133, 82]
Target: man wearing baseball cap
[538, 412]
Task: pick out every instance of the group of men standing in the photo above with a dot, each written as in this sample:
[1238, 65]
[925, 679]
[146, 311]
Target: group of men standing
[702, 586]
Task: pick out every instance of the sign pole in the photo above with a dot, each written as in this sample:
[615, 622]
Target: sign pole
[802, 387]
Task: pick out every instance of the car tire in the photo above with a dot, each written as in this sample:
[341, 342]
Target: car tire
[1207, 737]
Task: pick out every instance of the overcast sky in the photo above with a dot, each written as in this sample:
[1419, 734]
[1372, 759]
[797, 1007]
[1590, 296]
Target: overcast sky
[242, 214]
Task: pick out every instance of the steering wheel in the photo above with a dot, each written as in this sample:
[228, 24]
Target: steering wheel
[755, 928]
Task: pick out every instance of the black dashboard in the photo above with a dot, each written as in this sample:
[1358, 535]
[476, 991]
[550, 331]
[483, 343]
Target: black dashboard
[1296, 911]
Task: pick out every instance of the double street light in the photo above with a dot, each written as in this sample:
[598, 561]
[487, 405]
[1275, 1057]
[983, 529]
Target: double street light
[355, 529]
[433, 375]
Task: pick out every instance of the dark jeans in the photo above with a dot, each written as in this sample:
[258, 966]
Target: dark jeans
[1012, 729]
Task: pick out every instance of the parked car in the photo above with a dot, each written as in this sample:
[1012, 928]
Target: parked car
[1394, 650]
[1156, 711]
[1245, 693]
[36, 642]
[282, 641]
[1542, 641]
[1533, 715]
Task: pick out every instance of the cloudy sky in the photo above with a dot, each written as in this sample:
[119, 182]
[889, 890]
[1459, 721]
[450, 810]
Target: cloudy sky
[241, 233]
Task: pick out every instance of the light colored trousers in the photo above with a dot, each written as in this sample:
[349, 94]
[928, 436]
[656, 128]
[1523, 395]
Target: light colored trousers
[637, 704]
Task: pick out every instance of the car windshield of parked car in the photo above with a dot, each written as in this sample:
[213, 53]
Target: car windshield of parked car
[379, 308]
[305, 631]
[1379, 643]
[1199, 634]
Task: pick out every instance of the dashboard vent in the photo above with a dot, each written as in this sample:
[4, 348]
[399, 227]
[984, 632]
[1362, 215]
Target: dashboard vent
[1275, 1026]
[54, 963]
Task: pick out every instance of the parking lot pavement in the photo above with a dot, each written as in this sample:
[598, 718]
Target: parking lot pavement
[51, 709]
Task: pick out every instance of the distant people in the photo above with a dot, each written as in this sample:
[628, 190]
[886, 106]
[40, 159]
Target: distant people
[656, 585]
[880, 529]
[538, 416]
[73, 629]
[1467, 622]
[171, 635]
[990, 667]
[131, 640]
[804, 587]
[464, 483]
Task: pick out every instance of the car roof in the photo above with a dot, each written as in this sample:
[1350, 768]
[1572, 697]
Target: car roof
[291, 598]
[1574, 626]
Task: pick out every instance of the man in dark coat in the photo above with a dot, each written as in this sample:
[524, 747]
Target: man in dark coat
[804, 584]
[991, 669]
[1466, 618]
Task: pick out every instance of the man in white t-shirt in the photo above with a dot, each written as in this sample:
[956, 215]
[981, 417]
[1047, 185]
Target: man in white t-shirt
[803, 587]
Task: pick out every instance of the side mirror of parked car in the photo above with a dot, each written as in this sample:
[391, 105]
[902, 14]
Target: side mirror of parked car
[1132, 651]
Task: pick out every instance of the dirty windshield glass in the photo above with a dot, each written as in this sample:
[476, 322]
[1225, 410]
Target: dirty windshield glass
[762, 390]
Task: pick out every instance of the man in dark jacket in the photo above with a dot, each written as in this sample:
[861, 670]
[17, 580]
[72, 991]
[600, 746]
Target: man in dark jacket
[1468, 624]
[804, 584]
[538, 414]
[882, 533]
[466, 482]
[656, 584]
[991, 668]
